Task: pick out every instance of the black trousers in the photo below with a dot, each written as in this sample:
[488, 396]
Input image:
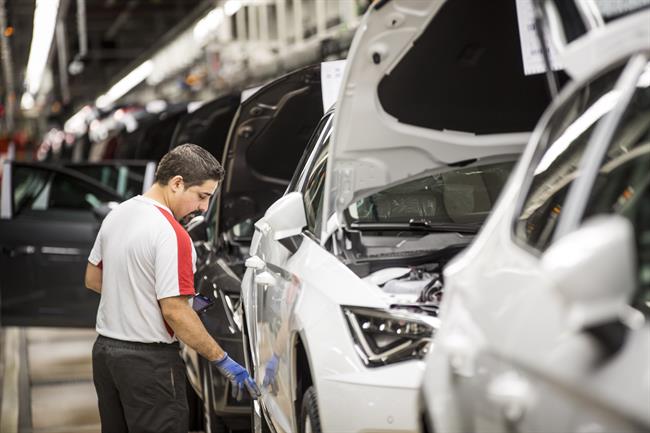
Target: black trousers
[140, 387]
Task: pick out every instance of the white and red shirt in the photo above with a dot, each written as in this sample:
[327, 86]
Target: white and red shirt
[145, 255]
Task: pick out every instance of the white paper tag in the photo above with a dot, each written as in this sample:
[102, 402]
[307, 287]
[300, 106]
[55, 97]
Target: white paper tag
[331, 75]
[247, 93]
[530, 46]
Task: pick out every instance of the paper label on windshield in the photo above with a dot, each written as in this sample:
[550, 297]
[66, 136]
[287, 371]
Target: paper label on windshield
[531, 50]
[247, 93]
[331, 75]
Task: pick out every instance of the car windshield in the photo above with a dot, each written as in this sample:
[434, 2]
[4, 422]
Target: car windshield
[457, 197]
[610, 10]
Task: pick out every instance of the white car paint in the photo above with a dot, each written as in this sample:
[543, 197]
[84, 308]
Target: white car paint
[291, 296]
[372, 149]
[510, 353]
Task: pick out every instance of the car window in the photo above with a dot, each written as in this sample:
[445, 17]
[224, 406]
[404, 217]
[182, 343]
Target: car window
[127, 181]
[41, 189]
[243, 231]
[317, 137]
[210, 218]
[560, 149]
[623, 183]
[460, 196]
[314, 188]
[28, 183]
[573, 22]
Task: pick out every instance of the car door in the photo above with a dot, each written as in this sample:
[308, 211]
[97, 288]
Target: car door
[277, 289]
[266, 142]
[208, 125]
[484, 348]
[46, 232]
[600, 370]
[533, 371]
[127, 178]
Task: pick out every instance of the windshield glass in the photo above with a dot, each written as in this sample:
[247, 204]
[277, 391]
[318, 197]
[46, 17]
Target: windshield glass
[571, 13]
[458, 196]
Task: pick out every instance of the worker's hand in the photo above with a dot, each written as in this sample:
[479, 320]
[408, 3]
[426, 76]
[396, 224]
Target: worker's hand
[238, 377]
[271, 372]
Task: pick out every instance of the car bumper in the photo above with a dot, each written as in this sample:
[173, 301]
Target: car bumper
[378, 399]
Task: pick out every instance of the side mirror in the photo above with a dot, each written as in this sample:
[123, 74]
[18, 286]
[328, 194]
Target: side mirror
[197, 228]
[103, 210]
[594, 270]
[285, 218]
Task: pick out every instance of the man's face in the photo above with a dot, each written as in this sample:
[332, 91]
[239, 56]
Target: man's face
[193, 199]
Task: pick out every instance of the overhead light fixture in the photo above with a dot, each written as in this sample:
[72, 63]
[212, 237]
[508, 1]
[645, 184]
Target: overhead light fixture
[208, 24]
[27, 101]
[45, 15]
[231, 7]
[78, 123]
[127, 83]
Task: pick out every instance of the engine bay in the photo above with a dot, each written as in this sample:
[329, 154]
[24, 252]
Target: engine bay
[418, 288]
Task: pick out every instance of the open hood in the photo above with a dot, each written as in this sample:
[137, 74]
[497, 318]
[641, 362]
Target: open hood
[429, 84]
[267, 137]
[208, 125]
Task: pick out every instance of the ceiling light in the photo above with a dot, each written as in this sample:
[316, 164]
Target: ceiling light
[208, 24]
[231, 7]
[45, 15]
[27, 101]
[127, 83]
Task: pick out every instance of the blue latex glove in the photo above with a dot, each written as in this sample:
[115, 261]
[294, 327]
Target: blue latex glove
[238, 377]
[271, 372]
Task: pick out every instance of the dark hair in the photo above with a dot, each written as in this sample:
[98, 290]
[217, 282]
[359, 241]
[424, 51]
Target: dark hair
[192, 162]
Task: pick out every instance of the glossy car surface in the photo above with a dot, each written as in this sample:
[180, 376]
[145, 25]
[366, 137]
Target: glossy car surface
[342, 288]
[265, 142]
[545, 324]
[49, 220]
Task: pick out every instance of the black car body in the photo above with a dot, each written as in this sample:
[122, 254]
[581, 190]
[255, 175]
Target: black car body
[49, 218]
[208, 125]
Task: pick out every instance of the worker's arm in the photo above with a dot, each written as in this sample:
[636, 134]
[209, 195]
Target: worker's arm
[94, 278]
[188, 327]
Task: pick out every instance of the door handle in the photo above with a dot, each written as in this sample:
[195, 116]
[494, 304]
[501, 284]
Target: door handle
[22, 250]
[460, 353]
[512, 393]
[265, 278]
[255, 262]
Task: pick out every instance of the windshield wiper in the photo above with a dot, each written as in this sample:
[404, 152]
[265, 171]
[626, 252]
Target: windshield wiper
[428, 225]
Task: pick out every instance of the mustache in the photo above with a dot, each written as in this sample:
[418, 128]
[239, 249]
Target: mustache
[187, 218]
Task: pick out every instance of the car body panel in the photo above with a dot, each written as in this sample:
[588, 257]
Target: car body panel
[508, 354]
[366, 155]
[303, 285]
[45, 252]
[276, 121]
[208, 125]
[306, 301]
[282, 113]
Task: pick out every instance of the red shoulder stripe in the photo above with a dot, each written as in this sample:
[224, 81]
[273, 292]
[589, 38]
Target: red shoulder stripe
[184, 243]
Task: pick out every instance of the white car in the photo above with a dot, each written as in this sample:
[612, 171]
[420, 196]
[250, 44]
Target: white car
[342, 288]
[545, 322]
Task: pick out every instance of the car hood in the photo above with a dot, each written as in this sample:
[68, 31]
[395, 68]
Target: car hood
[428, 84]
[267, 137]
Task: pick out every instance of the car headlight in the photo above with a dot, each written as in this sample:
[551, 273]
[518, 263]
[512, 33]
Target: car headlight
[384, 337]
